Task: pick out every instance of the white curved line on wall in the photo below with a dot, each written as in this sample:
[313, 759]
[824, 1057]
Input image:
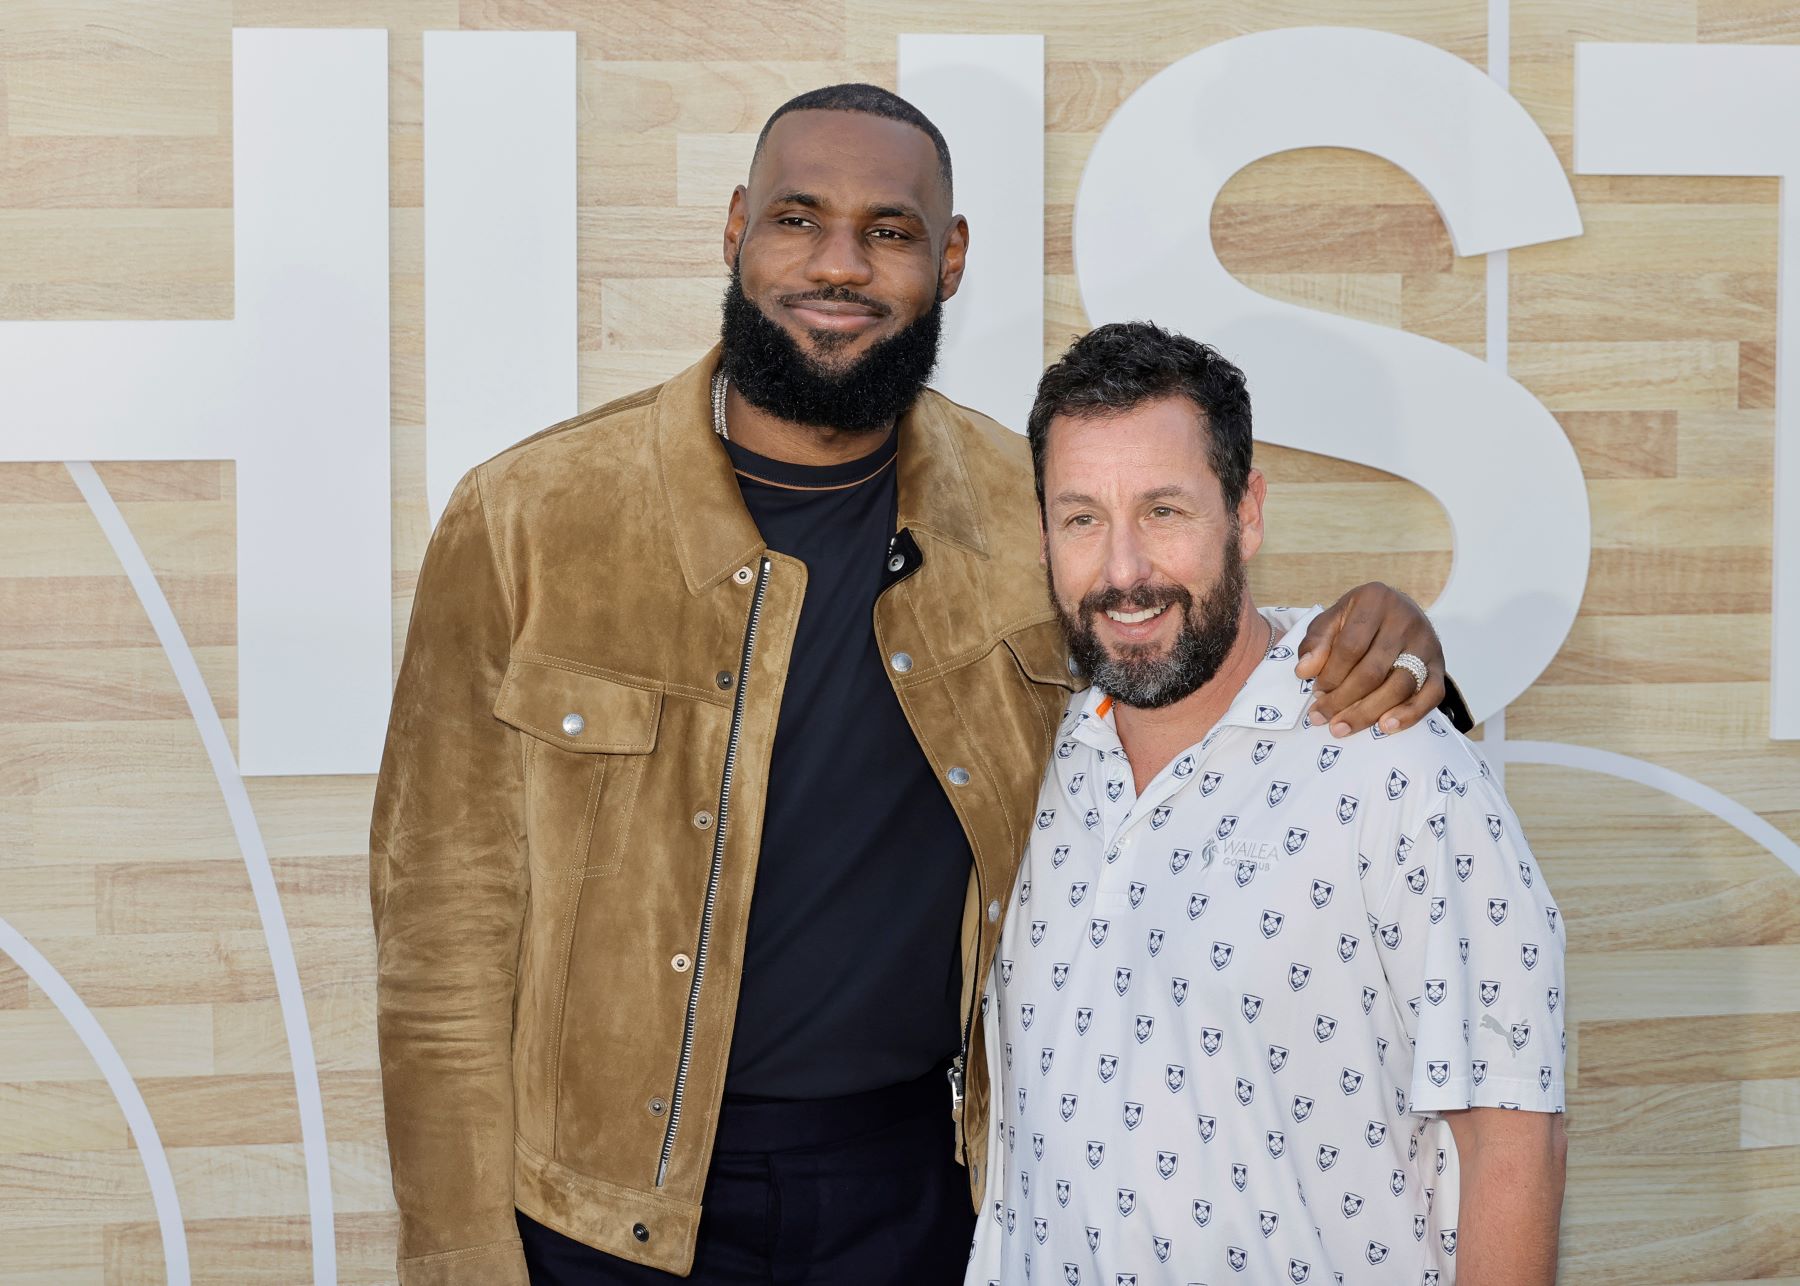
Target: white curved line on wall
[125, 1090]
[256, 860]
[1559, 755]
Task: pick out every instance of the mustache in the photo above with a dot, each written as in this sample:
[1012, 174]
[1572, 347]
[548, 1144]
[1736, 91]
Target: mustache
[1137, 598]
[837, 295]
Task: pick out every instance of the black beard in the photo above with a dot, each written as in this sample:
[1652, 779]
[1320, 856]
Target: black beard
[1138, 677]
[773, 374]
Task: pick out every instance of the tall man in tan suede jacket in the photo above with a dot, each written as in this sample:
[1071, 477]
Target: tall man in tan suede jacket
[714, 750]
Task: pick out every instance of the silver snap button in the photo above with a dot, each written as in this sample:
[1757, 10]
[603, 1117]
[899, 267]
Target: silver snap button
[657, 1107]
[573, 724]
[896, 563]
[959, 776]
[723, 679]
[741, 576]
[993, 911]
[1073, 668]
[901, 662]
[702, 819]
[681, 964]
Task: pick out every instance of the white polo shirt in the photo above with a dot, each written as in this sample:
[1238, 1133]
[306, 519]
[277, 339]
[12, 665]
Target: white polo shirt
[1225, 1015]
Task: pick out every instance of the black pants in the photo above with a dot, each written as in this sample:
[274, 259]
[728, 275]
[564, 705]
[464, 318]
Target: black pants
[857, 1191]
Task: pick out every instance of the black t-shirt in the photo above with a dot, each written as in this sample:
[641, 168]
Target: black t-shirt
[852, 970]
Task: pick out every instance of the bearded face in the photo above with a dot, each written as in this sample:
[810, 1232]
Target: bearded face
[1153, 674]
[1146, 558]
[826, 383]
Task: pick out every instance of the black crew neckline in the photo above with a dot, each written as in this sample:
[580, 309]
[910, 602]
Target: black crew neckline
[783, 473]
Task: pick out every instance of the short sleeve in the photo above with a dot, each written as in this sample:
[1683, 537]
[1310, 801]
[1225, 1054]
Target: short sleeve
[1478, 966]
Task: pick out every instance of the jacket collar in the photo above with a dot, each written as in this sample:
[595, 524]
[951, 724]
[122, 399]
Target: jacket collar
[714, 533]
[936, 493]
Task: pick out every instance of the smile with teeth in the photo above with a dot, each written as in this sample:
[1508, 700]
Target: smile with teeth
[1136, 618]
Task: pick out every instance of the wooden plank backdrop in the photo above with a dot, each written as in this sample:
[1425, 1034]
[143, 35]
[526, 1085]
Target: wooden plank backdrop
[1650, 337]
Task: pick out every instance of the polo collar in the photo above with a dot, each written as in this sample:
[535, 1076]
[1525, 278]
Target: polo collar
[1274, 696]
[714, 533]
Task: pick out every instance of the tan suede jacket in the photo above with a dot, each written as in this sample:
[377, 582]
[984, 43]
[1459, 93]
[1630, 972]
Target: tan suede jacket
[568, 814]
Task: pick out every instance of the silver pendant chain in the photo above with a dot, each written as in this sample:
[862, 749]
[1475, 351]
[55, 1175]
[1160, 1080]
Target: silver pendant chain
[718, 393]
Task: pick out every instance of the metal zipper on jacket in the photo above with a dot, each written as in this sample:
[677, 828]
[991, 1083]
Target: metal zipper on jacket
[712, 880]
[959, 1065]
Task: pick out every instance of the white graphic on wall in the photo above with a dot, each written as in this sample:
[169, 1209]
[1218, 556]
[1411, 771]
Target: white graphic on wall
[294, 389]
[1737, 112]
[1497, 278]
[125, 1092]
[267, 895]
[310, 190]
[986, 93]
[499, 245]
[1475, 439]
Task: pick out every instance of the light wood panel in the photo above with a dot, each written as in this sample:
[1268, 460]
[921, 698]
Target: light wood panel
[1650, 338]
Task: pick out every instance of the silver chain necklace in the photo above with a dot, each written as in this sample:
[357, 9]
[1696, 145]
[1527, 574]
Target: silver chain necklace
[718, 393]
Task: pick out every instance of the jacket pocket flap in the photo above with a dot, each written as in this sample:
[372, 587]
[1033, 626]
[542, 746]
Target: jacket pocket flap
[580, 712]
[1041, 654]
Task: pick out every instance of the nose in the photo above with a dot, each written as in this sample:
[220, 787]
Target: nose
[840, 258]
[1127, 560]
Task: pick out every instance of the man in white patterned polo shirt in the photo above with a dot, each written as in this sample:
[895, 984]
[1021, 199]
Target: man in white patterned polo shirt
[1269, 1007]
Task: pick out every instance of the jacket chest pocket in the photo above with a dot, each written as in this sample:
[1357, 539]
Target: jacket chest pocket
[586, 740]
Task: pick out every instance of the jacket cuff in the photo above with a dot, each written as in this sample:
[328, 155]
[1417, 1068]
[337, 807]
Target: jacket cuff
[499, 1263]
[1455, 708]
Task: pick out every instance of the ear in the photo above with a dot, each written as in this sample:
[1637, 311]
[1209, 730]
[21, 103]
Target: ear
[956, 253]
[1043, 539]
[1250, 513]
[737, 218]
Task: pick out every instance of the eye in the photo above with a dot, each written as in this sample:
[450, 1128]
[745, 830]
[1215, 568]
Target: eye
[1081, 520]
[794, 221]
[889, 234]
[1162, 511]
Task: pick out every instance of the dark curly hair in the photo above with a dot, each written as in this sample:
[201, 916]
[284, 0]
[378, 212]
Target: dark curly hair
[1122, 365]
[872, 100]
